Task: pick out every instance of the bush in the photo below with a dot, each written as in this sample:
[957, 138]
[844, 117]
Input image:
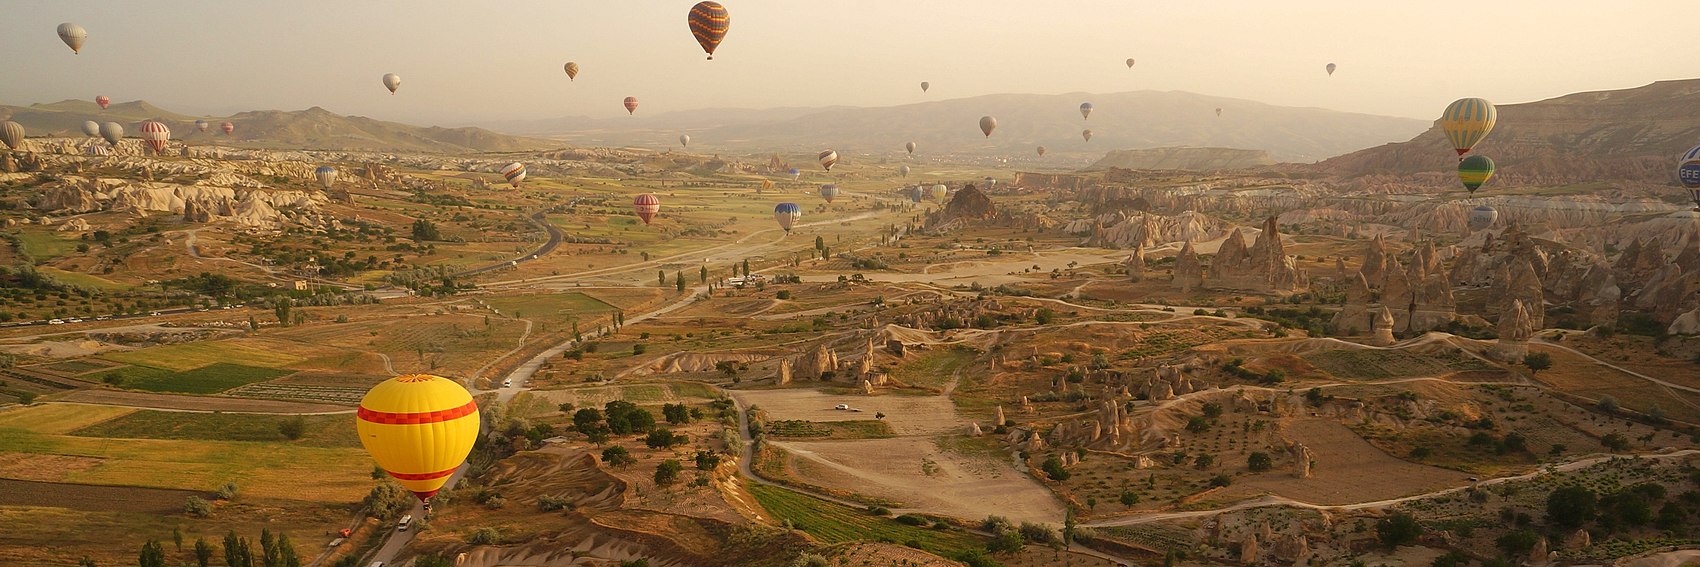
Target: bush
[1615, 441]
[912, 520]
[783, 294]
[227, 491]
[664, 438]
[879, 511]
[549, 503]
[617, 456]
[1221, 481]
[484, 536]
[1397, 529]
[1040, 533]
[293, 428]
[1259, 462]
[668, 472]
[1053, 468]
[197, 507]
[1571, 506]
[388, 500]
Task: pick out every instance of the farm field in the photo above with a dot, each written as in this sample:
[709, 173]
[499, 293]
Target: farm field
[190, 356]
[835, 523]
[318, 430]
[210, 379]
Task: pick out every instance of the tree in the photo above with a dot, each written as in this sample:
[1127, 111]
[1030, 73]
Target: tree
[281, 309]
[1615, 441]
[707, 460]
[293, 428]
[1537, 361]
[679, 281]
[1571, 506]
[269, 555]
[676, 414]
[177, 537]
[387, 501]
[1259, 461]
[1129, 498]
[668, 472]
[1607, 404]
[702, 275]
[203, 552]
[197, 507]
[236, 551]
[1053, 467]
[746, 267]
[423, 231]
[662, 438]
[286, 552]
[1517, 543]
[586, 417]
[625, 418]
[820, 243]
[661, 277]
[618, 456]
[1397, 529]
[152, 555]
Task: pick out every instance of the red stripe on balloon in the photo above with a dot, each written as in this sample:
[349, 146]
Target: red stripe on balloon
[423, 476]
[417, 418]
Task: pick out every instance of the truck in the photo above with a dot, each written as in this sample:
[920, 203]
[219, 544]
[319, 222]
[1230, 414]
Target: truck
[401, 525]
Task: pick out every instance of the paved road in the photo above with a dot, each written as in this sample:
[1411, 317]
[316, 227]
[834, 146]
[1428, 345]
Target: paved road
[540, 221]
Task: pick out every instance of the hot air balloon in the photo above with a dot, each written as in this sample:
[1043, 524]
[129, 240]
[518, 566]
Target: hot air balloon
[1330, 69]
[1482, 217]
[514, 173]
[827, 158]
[631, 105]
[829, 192]
[1475, 171]
[798, 173]
[987, 124]
[1086, 134]
[73, 36]
[1689, 173]
[326, 175]
[909, 147]
[572, 71]
[708, 22]
[765, 185]
[916, 194]
[228, 127]
[903, 171]
[991, 182]
[1130, 62]
[98, 150]
[112, 132]
[1466, 121]
[91, 128]
[925, 85]
[787, 215]
[940, 192]
[202, 125]
[419, 428]
[392, 82]
[12, 134]
[646, 206]
[685, 140]
[1085, 110]
[103, 101]
[1218, 112]
[1042, 151]
[155, 135]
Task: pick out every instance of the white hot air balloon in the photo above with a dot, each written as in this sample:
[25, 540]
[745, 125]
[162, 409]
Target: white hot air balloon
[73, 36]
[91, 129]
[12, 134]
[112, 132]
[685, 140]
[392, 82]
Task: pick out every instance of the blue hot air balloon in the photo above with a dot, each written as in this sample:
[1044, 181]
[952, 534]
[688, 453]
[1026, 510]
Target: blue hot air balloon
[787, 215]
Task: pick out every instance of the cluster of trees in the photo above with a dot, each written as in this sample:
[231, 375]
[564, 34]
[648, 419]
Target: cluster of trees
[238, 551]
[617, 417]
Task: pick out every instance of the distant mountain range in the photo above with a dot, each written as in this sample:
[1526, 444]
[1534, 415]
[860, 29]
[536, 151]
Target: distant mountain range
[1622, 135]
[1120, 121]
[314, 128]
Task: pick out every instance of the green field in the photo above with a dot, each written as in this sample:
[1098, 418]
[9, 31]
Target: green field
[549, 306]
[1385, 364]
[933, 369]
[189, 356]
[44, 244]
[858, 429]
[209, 379]
[321, 430]
[834, 523]
[58, 418]
[82, 280]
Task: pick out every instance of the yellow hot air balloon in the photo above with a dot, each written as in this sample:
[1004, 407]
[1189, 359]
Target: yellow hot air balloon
[1466, 121]
[419, 428]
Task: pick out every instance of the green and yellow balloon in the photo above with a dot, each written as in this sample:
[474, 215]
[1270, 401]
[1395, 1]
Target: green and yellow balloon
[1475, 171]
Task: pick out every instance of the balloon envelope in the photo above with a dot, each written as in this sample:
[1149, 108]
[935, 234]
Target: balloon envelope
[646, 206]
[708, 22]
[829, 192]
[631, 105]
[1085, 134]
[155, 135]
[939, 192]
[12, 134]
[987, 124]
[787, 214]
[909, 147]
[827, 158]
[1689, 173]
[1085, 110]
[419, 428]
[1130, 62]
[925, 85]
[1482, 217]
[1467, 121]
[1330, 69]
[91, 128]
[112, 132]
[1474, 171]
[103, 102]
[795, 173]
[73, 36]
[202, 125]
[1041, 151]
[326, 176]
[392, 82]
[572, 70]
[514, 173]
[685, 140]
[916, 193]
[228, 128]
[903, 171]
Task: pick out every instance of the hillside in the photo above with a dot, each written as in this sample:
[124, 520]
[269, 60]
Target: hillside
[1128, 120]
[1190, 159]
[314, 128]
[1629, 135]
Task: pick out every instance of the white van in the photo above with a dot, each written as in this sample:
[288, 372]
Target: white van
[401, 525]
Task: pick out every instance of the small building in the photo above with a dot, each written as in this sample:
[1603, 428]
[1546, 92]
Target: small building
[300, 285]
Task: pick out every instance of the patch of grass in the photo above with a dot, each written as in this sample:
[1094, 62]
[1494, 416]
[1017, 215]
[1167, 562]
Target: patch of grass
[693, 390]
[549, 306]
[190, 356]
[834, 523]
[933, 369]
[45, 245]
[321, 431]
[58, 418]
[858, 429]
[82, 280]
[205, 380]
[1352, 364]
[644, 393]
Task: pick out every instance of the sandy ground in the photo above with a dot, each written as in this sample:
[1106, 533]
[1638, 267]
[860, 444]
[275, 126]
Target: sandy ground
[1348, 469]
[909, 469]
[171, 402]
[1669, 559]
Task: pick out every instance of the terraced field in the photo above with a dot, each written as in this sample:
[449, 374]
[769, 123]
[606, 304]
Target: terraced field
[835, 523]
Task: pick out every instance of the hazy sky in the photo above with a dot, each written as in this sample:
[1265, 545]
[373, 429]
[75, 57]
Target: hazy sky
[466, 61]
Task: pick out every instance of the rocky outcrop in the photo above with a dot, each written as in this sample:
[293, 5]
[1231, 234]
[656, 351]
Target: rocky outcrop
[1136, 263]
[967, 204]
[818, 364]
[1515, 329]
[1686, 323]
[1189, 272]
[1524, 287]
[1382, 327]
[1185, 158]
[1262, 267]
[1354, 317]
[1432, 304]
[1396, 293]
[1375, 261]
[784, 376]
[1598, 299]
[1130, 228]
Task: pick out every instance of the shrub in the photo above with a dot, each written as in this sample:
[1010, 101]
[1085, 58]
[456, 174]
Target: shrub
[197, 507]
[1053, 468]
[293, 428]
[484, 536]
[1259, 462]
[227, 491]
[668, 472]
[549, 503]
[1397, 529]
[912, 520]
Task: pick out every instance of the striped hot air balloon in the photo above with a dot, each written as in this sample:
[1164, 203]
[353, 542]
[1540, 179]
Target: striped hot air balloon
[419, 428]
[987, 124]
[97, 150]
[916, 193]
[940, 192]
[827, 158]
[572, 70]
[202, 125]
[647, 206]
[1688, 172]
[1482, 217]
[103, 101]
[12, 134]
[708, 22]
[1467, 121]
[514, 173]
[1085, 110]
[228, 127]
[1474, 171]
[326, 176]
[155, 135]
[787, 214]
[829, 192]
[631, 105]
